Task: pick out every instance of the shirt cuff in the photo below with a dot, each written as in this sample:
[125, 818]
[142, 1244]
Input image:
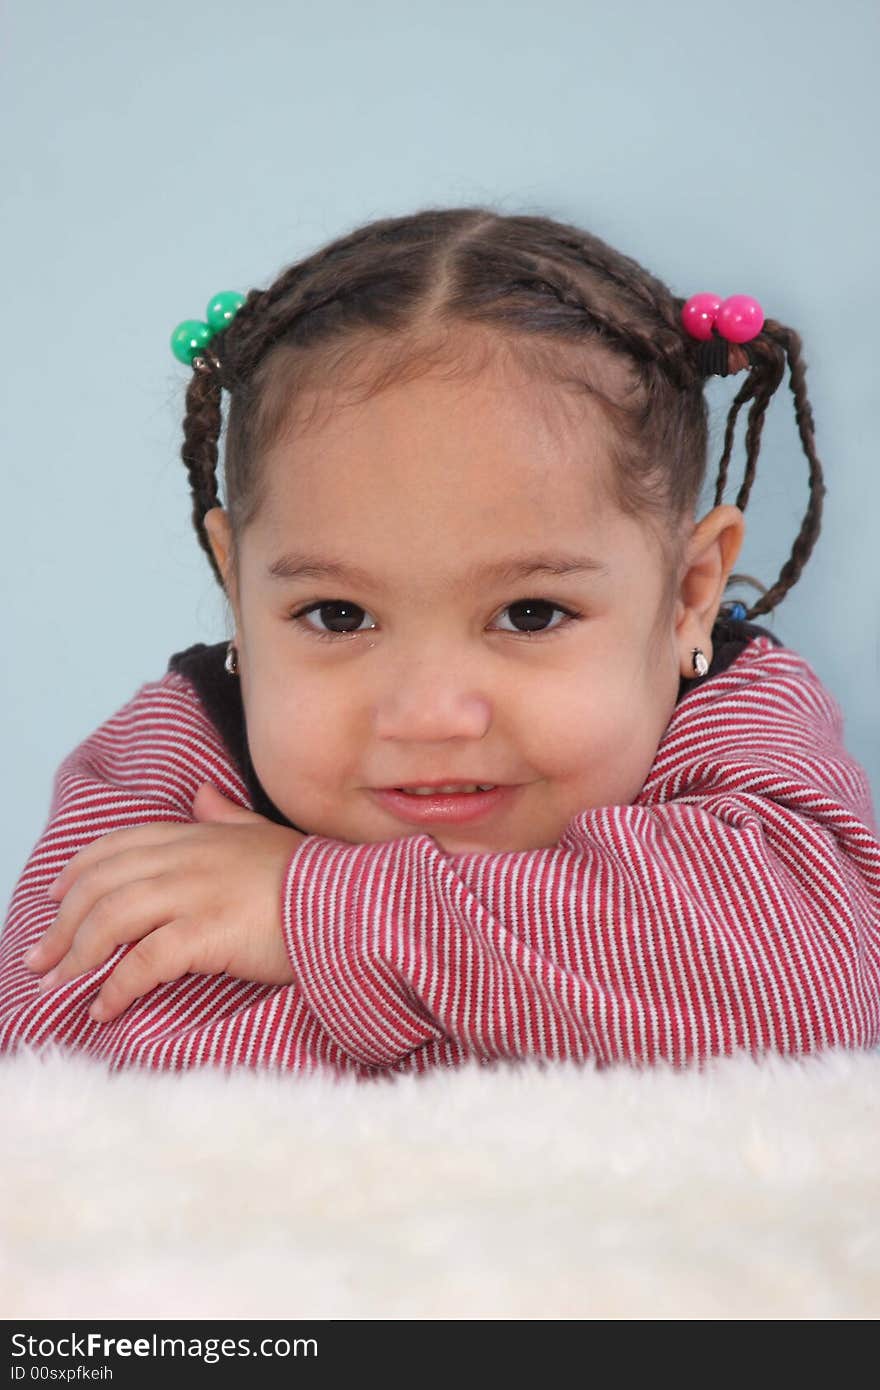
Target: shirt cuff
[345, 925]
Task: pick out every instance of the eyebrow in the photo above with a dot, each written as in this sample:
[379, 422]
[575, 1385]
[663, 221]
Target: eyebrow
[301, 566]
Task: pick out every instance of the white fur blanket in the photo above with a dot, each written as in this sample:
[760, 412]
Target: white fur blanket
[746, 1190]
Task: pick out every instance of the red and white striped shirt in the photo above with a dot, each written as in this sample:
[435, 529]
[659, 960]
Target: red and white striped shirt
[735, 904]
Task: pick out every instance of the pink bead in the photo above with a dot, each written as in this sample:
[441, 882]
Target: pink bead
[739, 319]
[698, 315]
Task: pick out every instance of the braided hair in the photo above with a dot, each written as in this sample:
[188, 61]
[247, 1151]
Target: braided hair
[402, 287]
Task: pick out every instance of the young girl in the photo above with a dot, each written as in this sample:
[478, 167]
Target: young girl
[486, 770]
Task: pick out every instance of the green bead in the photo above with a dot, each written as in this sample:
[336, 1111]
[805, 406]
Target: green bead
[189, 338]
[223, 307]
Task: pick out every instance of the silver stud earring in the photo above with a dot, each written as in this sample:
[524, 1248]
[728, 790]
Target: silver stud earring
[231, 662]
[700, 663]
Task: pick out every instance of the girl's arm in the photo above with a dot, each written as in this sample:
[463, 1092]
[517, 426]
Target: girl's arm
[735, 904]
[143, 765]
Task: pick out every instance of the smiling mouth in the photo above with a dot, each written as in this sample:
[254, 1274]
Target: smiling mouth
[439, 806]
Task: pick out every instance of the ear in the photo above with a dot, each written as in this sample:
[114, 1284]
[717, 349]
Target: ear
[710, 556]
[220, 536]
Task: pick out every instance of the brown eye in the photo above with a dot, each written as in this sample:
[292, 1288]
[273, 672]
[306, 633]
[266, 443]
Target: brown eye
[341, 618]
[533, 615]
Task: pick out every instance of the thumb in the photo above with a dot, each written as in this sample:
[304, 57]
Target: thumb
[211, 805]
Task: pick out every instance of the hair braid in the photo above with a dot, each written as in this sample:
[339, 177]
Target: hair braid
[619, 270]
[201, 431]
[789, 341]
[766, 373]
[745, 393]
[626, 335]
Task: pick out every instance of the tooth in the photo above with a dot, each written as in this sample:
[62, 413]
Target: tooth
[448, 789]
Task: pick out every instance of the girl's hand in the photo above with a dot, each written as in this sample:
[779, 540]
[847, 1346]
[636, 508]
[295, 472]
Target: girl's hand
[197, 898]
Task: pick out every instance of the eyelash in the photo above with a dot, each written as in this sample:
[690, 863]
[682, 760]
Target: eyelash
[570, 616]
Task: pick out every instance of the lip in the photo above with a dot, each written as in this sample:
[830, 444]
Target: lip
[448, 808]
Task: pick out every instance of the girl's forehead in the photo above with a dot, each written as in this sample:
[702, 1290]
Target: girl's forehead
[438, 540]
[416, 502]
[433, 485]
[473, 440]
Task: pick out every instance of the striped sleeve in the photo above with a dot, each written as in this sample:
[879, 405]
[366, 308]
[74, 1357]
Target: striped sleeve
[735, 904]
[142, 765]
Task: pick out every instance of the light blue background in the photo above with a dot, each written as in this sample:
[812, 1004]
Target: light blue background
[155, 156]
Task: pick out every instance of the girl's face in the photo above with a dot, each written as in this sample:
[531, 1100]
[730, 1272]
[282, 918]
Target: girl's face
[403, 615]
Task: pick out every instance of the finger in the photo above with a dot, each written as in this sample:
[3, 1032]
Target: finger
[164, 955]
[210, 804]
[126, 914]
[115, 842]
[95, 882]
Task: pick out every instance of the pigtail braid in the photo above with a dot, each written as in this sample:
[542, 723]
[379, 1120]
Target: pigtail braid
[201, 431]
[776, 344]
[765, 373]
[745, 393]
[765, 357]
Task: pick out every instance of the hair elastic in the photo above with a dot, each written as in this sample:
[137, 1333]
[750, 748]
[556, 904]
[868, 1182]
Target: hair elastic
[717, 322]
[192, 336]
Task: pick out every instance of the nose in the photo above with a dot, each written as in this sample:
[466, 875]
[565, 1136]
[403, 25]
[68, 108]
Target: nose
[431, 700]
